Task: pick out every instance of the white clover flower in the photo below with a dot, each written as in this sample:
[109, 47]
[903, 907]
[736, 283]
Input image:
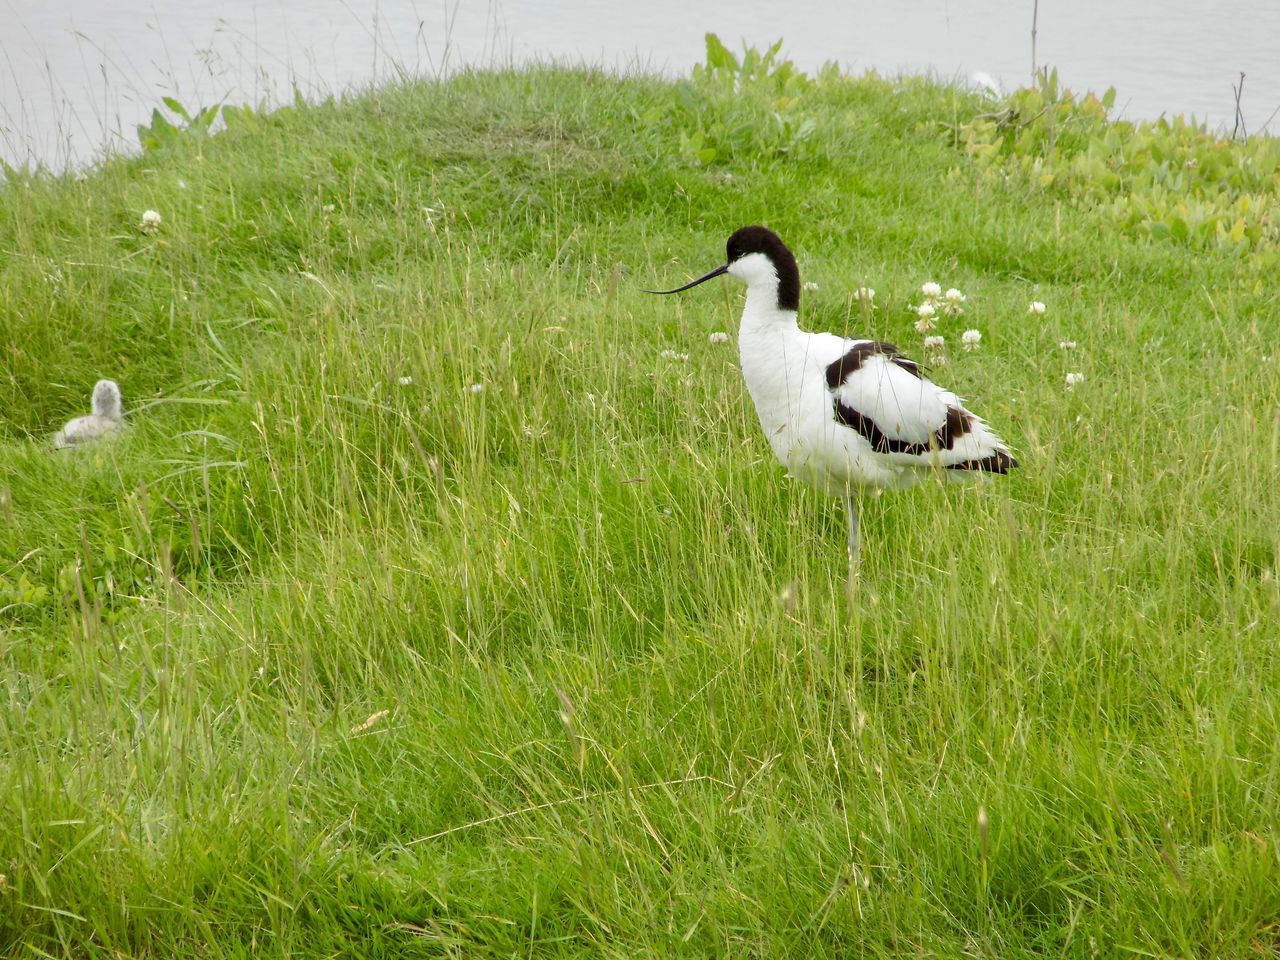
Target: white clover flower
[672, 355]
[150, 221]
[926, 312]
[1036, 307]
[971, 339]
[718, 337]
[865, 294]
[938, 360]
[476, 388]
[954, 296]
[1074, 378]
[1066, 344]
[329, 208]
[935, 342]
[405, 381]
[931, 290]
[810, 285]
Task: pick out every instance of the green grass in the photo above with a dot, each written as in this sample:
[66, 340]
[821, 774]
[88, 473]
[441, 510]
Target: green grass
[630, 710]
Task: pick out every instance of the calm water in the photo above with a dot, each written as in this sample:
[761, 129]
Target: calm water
[77, 75]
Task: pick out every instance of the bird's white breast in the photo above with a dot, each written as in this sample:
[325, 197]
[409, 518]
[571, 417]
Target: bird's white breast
[785, 373]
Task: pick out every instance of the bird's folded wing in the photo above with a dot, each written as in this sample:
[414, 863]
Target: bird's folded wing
[904, 415]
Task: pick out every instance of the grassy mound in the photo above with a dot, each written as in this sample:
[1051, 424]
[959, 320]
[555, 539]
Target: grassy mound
[442, 598]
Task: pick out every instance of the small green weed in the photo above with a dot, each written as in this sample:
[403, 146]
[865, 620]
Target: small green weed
[719, 107]
[162, 132]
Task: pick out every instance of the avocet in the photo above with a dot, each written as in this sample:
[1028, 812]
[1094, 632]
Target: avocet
[843, 414]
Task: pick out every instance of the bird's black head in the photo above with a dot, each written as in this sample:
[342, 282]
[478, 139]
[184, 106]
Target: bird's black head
[775, 261]
[749, 240]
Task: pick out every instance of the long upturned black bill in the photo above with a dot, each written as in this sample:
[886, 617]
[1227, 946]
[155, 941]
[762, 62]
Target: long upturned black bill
[693, 283]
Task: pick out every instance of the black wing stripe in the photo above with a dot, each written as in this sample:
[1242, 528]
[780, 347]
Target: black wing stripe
[998, 462]
[849, 364]
[957, 424]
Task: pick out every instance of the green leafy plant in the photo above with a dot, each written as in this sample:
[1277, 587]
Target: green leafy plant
[719, 104]
[1171, 180]
[754, 69]
[238, 116]
[21, 592]
[161, 131]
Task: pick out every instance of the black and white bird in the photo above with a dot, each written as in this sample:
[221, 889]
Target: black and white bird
[843, 414]
[107, 417]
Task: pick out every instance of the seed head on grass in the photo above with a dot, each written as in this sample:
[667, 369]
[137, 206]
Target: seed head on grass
[984, 832]
[789, 596]
[568, 718]
[369, 721]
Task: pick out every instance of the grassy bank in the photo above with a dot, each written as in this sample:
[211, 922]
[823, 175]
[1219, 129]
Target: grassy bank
[435, 603]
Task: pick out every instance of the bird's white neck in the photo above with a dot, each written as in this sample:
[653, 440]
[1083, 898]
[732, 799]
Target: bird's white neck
[761, 314]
